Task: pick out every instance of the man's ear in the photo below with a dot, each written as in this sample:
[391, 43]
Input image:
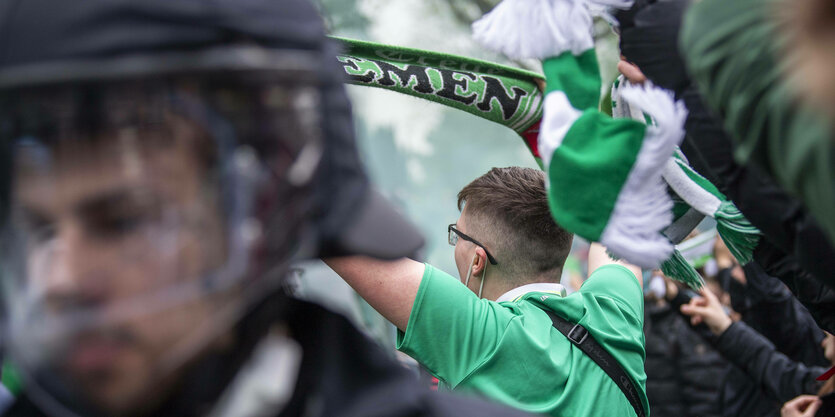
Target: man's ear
[480, 261]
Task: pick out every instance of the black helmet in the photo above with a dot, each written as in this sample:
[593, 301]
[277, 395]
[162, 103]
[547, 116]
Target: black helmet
[163, 161]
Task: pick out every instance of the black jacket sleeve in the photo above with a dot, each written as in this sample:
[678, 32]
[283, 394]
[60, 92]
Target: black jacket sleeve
[649, 38]
[778, 376]
[819, 299]
[772, 311]
[781, 217]
[734, 52]
[700, 370]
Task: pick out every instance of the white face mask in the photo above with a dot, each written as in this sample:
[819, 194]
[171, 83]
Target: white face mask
[658, 287]
[470, 271]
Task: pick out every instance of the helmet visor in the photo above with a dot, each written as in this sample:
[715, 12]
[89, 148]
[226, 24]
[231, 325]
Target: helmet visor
[130, 217]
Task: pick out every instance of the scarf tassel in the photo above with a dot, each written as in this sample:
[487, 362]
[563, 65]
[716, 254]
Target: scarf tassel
[739, 235]
[678, 268]
[643, 207]
[539, 29]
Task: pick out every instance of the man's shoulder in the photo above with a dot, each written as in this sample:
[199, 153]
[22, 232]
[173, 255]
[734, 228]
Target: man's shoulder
[610, 304]
[613, 271]
[616, 282]
[607, 284]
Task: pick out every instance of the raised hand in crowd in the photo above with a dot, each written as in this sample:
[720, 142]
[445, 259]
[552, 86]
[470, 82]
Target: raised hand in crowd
[631, 71]
[802, 406]
[708, 310]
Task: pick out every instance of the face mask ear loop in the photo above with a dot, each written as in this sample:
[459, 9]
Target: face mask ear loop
[483, 274]
[469, 272]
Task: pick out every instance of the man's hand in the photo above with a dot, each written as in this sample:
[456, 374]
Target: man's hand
[631, 72]
[802, 406]
[389, 286]
[707, 309]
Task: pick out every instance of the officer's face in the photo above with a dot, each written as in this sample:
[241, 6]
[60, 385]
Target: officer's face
[113, 227]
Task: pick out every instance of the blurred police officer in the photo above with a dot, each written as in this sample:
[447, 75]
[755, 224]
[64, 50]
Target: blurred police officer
[163, 162]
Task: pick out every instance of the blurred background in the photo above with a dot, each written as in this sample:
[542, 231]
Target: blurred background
[418, 153]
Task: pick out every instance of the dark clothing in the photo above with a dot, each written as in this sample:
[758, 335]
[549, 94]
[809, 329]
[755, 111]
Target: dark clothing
[780, 216]
[648, 34]
[99, 33]
[735, 53]
[817, 297]
[794, 248]
[342, 373]
[777, 333]
[772, 377]
[683, 370]
[772, 311]
[828, 407]
[743, 394]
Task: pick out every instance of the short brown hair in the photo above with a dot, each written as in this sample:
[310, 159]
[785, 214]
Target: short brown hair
[507, 208]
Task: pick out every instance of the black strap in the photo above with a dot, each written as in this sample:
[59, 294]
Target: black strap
[581, 338]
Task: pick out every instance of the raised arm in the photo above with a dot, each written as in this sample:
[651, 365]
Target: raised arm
[598, 257]
[389, 286]
[774, 373]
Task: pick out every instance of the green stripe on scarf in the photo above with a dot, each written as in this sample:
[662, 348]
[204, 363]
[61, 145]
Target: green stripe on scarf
[580, 159]
[575, 75]
[703, 182]
[739, 235]
[678, 268]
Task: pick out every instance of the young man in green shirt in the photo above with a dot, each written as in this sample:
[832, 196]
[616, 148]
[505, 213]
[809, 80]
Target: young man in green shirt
[488, 332]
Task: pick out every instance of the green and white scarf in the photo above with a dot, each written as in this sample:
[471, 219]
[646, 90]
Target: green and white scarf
[505, 95]
[698, 192]
[508, 96]
[604, 173]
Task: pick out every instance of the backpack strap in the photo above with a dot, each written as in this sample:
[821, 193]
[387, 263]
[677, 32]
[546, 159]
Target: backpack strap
[580, 337]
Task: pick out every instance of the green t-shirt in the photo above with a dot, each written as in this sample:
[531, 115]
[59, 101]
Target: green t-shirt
[510, 351]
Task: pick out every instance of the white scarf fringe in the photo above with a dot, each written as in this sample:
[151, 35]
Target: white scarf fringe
[643, 208]
[540, 29]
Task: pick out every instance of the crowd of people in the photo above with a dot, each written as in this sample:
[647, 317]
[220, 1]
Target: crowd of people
[164, 164]
[742, 346]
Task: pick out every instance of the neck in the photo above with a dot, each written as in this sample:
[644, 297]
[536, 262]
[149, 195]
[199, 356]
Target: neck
[505, 284]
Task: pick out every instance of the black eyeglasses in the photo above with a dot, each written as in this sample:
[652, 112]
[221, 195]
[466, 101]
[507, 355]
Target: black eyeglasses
[454, 234]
